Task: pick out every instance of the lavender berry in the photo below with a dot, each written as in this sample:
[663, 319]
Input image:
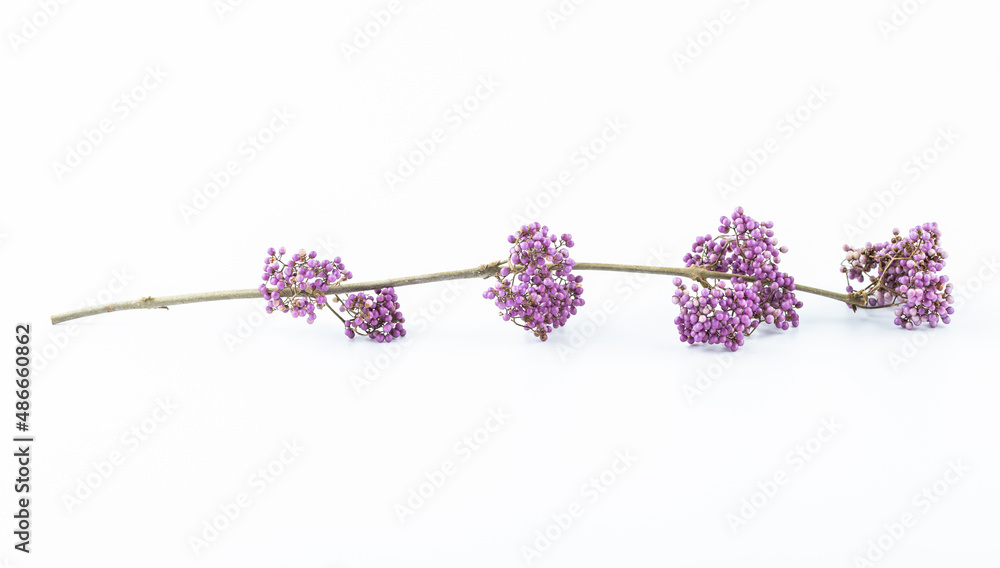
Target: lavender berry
[536, 289]
[313, 284]
[716, 315]
[726, 314]
[904, 273]
[376, 316]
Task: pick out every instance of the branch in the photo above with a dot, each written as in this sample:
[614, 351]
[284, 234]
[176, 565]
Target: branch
[481, 271]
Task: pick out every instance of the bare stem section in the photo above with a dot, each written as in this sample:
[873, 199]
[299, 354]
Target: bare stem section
[150, 302]
[481, 271]
[701, 275]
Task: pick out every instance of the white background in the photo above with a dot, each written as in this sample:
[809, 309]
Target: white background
[707, 429]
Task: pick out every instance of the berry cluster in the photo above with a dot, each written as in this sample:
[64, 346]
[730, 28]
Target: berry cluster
[745, 248]
[904, 272]
[311, 281]
[535, 289]
[738, 285]
[376, 316]
[720, 314]
[308, 278]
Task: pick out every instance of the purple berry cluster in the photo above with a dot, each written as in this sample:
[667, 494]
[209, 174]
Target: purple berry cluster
[738, 285]
[904, 272]
[535, 289]
[313, 285]
[376, 316]
[720, 314]
[725, 314]
[309, 278]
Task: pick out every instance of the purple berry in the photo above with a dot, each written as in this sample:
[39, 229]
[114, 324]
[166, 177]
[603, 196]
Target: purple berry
[904, 272]
[726, 314]
[535, 288]
[311, 280]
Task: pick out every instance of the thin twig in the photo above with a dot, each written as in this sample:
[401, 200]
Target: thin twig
[150, 302]
[481, 271]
